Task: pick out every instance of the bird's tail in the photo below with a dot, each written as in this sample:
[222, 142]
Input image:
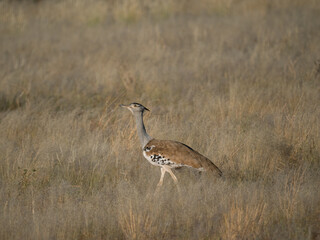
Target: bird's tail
[210, 166]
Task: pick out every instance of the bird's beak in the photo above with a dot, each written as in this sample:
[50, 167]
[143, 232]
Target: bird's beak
[146, 109]
[124, 106]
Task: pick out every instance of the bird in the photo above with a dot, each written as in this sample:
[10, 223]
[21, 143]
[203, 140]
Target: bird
[168, 154]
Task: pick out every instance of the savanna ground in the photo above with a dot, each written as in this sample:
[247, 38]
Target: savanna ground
[237, 80]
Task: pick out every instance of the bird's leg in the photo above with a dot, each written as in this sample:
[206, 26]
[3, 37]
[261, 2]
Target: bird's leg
[172, 175]
[163, 171]
[174, 179]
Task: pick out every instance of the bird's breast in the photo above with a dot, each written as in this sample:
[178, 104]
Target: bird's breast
[160, 160]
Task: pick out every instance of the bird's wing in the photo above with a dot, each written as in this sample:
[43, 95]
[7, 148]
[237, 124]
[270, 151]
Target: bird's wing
[180, 154]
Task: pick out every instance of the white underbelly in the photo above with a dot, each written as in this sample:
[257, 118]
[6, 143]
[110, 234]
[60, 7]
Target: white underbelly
[158, 160]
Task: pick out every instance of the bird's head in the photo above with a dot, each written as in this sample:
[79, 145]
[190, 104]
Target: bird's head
[135, 108]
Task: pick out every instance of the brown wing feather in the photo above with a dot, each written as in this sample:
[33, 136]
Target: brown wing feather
[181, 154]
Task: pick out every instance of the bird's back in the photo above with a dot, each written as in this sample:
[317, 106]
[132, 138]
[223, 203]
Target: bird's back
[180, 154]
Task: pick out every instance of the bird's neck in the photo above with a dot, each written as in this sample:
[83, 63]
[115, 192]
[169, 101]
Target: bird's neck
[142, 133]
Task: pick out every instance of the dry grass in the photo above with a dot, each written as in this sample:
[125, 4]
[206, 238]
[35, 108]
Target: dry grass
[237, 80]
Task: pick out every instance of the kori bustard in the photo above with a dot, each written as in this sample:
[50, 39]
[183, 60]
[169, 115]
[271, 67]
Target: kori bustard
[168, 154]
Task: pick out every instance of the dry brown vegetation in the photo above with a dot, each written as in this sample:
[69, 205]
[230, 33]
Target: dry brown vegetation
[237, 80]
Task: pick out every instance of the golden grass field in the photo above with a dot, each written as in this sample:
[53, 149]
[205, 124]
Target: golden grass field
[237, 80]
